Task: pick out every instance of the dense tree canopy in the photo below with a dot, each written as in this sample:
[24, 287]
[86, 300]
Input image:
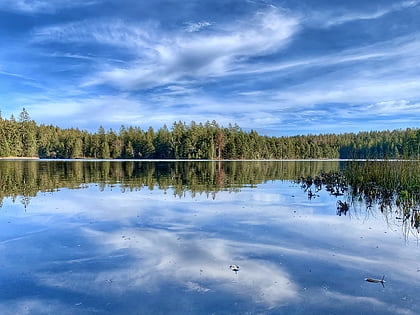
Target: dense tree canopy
[24, 138]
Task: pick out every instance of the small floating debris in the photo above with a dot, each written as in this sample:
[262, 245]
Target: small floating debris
[234, 268]
[373, 280]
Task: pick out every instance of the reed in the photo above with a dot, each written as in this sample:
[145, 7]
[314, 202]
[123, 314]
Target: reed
[392, 186]
[399, 180]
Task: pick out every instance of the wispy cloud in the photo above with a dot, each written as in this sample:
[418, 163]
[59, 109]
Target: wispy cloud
[332, 18]
[376, 80]
[11, 74]
[42, 6]
[257, 65]
[196, 26]
[159, 59]
[83, 111]
[116, 110]
[115, 33]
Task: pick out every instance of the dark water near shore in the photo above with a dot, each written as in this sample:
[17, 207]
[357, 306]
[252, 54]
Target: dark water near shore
[89, 237]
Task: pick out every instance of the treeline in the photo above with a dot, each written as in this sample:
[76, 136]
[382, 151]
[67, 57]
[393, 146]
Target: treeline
[23, 137]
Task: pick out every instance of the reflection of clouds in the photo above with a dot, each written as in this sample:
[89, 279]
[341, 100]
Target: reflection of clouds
[364, 244]
[355, 240]
[117, 206]
[196, 264]
[267, 197]
[159, 239]
[38, 306]
[339, 301]
[350, 299]
[192, 286]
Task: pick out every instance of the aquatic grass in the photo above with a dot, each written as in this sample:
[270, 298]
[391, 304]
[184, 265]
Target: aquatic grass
[396, 178]
[392, 186]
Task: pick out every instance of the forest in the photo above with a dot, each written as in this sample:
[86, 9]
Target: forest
[23, 137]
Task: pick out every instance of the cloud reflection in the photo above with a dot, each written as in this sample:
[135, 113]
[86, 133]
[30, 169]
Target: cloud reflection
[327, 297]
[34, 306]
[196, 262]
[149, 241]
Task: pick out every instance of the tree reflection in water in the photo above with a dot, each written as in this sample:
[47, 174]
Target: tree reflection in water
[391, 186]
[24, 179]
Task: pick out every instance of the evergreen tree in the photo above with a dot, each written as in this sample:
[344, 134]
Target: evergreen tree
[24, 138]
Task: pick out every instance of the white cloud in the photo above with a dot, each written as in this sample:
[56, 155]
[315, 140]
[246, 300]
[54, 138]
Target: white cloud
[381, 75]
[351, 91]
[177, 65]
[354, 16]
[42, 6]
[115, 110]
[115, 32]
[11, 74]
[196, 26]
[332, 18]
[161, 59]
[394, 107]
[102, 109]
[395, 55]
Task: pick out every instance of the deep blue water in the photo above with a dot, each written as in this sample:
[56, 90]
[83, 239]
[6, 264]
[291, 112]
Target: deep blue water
[101, 249]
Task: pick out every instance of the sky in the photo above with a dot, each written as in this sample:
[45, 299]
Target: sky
[278, 67]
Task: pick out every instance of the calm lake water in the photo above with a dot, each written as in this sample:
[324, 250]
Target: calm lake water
[114, 237]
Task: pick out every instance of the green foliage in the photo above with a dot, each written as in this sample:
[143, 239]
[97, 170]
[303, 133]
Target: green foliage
[24, 138]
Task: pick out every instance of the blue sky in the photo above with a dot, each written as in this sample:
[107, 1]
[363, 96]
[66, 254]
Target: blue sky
[278, 67]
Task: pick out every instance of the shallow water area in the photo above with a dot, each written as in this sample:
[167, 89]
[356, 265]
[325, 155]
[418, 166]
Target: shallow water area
[160, 237]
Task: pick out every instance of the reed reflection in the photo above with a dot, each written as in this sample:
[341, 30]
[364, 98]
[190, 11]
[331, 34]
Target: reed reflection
[391, 187]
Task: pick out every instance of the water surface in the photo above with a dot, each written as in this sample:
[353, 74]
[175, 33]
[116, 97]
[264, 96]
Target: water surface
[159, 237]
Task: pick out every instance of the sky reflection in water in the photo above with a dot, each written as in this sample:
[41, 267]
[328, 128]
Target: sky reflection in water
[88, 251]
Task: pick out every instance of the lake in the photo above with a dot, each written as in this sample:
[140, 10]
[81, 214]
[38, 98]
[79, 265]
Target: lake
[143, 237]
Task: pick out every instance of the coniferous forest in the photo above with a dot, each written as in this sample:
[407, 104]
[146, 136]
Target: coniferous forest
[23, 137]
